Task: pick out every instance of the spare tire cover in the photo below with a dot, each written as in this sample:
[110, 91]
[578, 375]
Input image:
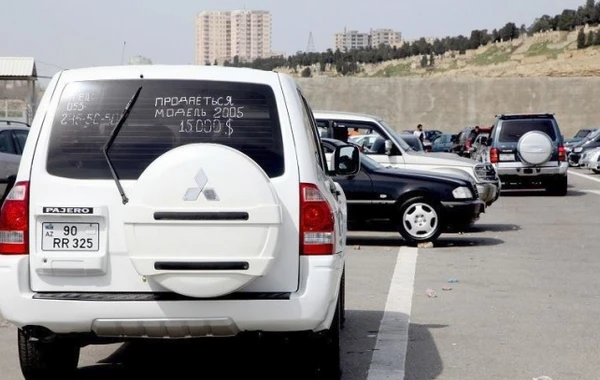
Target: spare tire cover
[535, 147]
[203, 220]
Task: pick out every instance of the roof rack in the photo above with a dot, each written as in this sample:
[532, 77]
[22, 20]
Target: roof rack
[527, 115]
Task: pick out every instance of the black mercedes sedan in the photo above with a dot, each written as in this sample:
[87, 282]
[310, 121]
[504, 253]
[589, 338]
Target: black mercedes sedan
[419, 205]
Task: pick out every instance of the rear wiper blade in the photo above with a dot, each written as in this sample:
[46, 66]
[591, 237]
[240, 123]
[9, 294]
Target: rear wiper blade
[111, 140]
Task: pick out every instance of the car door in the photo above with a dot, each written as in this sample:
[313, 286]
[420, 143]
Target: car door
[9, 158]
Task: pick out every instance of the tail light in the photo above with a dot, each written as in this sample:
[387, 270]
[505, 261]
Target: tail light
[494, 156]
[316, 222]
[562, 153]
[14, 221]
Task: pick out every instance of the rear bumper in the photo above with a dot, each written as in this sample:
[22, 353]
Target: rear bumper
[310, 309]
[461, 215]
[517, 169]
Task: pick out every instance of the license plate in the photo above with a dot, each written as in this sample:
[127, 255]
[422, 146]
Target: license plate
[70, 236]
[507, 157]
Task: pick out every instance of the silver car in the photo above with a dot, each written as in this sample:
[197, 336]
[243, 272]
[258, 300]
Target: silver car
[13, 135]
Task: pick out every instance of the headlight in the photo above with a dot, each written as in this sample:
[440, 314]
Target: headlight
[462, 193]
[578, 149]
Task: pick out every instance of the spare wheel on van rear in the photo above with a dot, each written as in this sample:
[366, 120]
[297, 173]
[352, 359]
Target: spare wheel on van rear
[203, 220]
[535, 148]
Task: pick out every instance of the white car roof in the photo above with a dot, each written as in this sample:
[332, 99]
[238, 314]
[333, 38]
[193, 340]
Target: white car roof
[320, 114]
[237, 74]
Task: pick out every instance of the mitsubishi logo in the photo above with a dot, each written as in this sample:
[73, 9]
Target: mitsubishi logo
[193, 193]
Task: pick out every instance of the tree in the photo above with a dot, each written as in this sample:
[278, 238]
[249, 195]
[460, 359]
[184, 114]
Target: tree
[431, 60]
[424, 61]
[541, 24]
[580, 39]
[590, 39]
[597, 39]
[509, 32]
[523, 30]
[306, 72]
[475, 40]
[567, 20]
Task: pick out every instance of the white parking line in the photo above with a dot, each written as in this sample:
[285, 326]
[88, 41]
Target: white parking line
[389, 356]
[586, 176]
[597, 192]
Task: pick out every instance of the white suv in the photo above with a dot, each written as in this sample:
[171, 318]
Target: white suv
[172, 202]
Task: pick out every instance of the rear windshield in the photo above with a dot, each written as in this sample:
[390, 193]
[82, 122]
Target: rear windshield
[167, 114]
[512, 130]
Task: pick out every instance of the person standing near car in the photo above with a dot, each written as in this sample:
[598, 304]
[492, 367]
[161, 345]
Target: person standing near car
[474, 133]
[419, 132]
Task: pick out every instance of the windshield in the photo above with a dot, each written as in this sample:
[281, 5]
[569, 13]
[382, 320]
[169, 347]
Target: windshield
[395, 136]
[582, 133]
[593, 135]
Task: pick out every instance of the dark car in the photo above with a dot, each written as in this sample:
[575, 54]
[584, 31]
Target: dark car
[527, 150]
[577, 150]
[419, 205]
[461, 141]
[443, 142]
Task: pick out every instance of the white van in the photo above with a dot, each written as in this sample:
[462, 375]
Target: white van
[172, 202]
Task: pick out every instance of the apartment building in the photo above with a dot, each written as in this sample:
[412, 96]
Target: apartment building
[251, 34]
[353, 39]
[222, 35]
[387, 37]
[213, 37]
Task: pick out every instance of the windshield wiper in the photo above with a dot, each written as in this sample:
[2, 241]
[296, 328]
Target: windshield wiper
[111, 140]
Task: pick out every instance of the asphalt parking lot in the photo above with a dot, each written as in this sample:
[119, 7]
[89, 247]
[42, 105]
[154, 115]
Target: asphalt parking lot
[516, 298]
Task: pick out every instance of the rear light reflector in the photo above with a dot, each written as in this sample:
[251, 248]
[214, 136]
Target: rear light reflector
[316, 222]
[494, 156]
[14, 221]
[562, 154]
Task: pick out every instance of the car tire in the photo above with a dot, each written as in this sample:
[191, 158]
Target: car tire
[57, 359]
[596, 171]
[419, 220]
[343, 299]
[328, 350]
[558, 187]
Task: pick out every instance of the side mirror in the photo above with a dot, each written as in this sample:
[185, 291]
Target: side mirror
[388, 147]
[346, 160]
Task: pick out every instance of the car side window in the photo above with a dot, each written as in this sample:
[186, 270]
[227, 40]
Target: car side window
[313, 134]
[6, 143]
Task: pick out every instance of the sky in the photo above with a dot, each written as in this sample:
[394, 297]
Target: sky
[78, 33]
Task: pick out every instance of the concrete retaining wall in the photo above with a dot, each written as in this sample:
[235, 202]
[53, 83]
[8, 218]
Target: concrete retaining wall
[449, 104]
